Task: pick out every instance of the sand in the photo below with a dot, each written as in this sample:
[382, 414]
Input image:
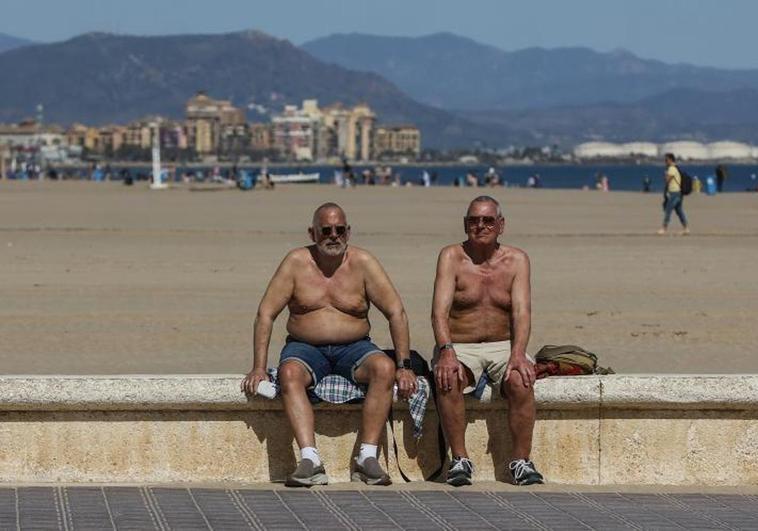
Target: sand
[103, 278]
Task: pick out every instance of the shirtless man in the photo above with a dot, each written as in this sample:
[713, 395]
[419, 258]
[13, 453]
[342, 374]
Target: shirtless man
[328, 288]
[481, 317]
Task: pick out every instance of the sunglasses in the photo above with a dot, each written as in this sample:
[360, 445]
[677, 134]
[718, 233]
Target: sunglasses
[340, 230]
[487, 221]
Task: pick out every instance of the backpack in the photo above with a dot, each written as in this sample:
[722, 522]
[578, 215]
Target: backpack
[686, 181]
[567, 360]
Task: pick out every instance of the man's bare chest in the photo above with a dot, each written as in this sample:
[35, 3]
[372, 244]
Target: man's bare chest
[477, 286]
[344, 291]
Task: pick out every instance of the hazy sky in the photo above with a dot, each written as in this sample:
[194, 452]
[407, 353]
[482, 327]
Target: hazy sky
[704, 32]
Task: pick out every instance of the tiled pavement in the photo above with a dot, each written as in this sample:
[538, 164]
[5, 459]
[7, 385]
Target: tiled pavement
[141, 508]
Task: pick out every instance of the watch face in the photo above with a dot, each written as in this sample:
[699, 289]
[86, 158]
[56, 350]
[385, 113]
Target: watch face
[406, 364]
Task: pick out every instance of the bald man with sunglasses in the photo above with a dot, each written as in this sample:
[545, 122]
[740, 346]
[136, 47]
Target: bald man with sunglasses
[328, 288]
[481, 315]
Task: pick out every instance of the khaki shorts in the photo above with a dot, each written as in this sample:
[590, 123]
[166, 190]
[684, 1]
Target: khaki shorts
[479, 358]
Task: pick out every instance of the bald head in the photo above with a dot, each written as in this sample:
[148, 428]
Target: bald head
[485, 199]
[324, 209]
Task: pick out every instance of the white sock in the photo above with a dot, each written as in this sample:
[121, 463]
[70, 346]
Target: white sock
[309, 452]
[367, 450]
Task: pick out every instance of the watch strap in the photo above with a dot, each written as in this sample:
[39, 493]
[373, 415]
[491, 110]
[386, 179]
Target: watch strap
[404, 363]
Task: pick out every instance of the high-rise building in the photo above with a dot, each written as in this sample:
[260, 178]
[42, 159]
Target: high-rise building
[293, 133]
[207, 120]
[349, 131]
[397, 140]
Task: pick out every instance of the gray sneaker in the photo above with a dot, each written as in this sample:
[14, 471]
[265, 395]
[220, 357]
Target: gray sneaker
[307, 475]
[460, 472]
[523, 472]
[370, 472]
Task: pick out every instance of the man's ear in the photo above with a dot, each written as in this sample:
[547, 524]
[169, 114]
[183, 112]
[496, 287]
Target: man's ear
[312, 234]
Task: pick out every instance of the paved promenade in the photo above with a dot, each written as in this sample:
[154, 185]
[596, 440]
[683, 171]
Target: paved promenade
[142, 508]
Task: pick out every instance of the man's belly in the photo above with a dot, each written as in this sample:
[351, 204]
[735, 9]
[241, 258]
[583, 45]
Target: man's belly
[327, 326]
[479, 326]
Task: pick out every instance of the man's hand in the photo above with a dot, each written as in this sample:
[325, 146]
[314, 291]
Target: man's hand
[249, 384]
[447, 369]
[406, 383]
[521, 364]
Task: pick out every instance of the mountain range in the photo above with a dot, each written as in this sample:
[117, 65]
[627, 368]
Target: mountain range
[563, 95]
[459, 92]
[8, 42]
[99, 78]
[452, 72]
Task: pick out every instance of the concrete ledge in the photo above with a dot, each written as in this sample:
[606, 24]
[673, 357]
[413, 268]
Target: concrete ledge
[680, 391]
[633, 429]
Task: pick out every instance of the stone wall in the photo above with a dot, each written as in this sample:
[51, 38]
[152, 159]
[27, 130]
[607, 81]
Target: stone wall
[641, 429]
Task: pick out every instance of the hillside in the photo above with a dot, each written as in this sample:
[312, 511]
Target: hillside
[100, 78]
[452, 72]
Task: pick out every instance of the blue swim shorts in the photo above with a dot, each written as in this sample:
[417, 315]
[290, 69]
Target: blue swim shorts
[321, 360]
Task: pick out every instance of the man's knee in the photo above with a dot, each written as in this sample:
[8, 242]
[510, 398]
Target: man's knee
[381, 369]
[293, 374]
[514, 388]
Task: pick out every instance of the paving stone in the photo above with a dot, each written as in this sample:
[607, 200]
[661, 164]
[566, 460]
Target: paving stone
[223, 510]
[498, 515]
[362, 512]
[129, 509]
[87, 508]
[8, 509]
[38, 509]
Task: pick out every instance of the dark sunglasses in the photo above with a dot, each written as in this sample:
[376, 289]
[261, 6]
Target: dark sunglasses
[340, 230]
[488, 221]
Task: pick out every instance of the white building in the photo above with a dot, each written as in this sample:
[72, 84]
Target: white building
[682, 149]
[730, 150]
[686, 150]
[644, 149]
[590, 150]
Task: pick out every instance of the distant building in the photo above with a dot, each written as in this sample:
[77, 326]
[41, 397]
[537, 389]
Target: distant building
[397, 140]
[683, 149]
[110, 139]
[260, 137]
[640, 149]
[293, 133]
[139, 133]
[29, 133]
[598, 150]
[729, 150]
[208, 120]
[349, 131]
[5, 160]
[82, 136]
[312, 133]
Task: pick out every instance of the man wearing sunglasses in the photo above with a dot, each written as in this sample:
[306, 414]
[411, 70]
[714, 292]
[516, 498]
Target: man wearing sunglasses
[328, 288]
[481, 316]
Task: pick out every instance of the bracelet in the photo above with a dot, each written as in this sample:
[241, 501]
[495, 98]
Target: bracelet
[444, 347]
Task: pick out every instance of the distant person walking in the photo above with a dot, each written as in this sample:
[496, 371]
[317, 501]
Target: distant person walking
[672, 195]
[720, 177]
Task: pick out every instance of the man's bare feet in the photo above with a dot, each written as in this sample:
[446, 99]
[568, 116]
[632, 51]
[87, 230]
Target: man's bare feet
[685, 232]
[661, 232]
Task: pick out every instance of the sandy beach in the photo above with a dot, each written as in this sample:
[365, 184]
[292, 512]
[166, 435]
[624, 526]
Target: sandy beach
[103, 278]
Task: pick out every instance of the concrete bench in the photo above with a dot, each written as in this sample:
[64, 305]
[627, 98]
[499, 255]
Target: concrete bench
[619, 429]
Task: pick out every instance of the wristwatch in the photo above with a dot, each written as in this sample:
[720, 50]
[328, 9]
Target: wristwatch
[404, 363]
[444, 347]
